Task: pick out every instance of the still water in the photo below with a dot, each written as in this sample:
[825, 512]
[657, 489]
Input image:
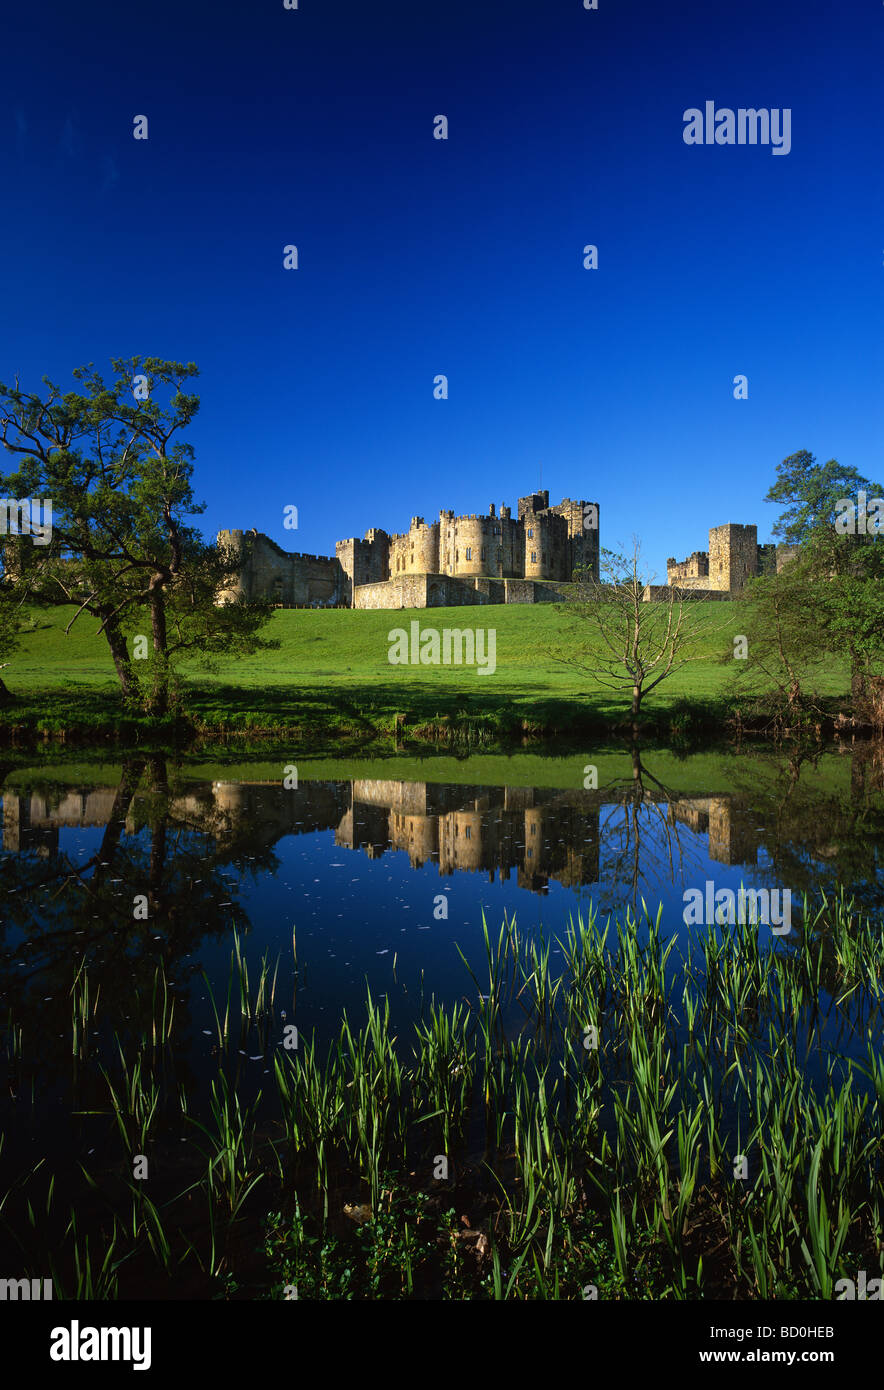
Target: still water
[370, 875]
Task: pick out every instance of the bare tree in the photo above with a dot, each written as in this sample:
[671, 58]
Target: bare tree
[629, 634]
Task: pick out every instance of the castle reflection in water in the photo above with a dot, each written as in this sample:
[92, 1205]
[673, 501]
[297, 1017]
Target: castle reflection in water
[539, 834]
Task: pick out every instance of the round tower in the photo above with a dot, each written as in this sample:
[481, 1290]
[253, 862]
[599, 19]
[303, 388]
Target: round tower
[238, 588]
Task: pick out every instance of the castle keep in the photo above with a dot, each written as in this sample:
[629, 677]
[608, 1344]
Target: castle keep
[734, 556]
[456, 560]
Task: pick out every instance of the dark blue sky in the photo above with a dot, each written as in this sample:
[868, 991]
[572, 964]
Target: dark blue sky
[464, 257]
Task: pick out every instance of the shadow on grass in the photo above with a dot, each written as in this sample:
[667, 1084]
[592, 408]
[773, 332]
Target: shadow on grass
[364, 711]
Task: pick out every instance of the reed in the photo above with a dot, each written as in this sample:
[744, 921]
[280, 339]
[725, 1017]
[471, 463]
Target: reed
[617, 1093]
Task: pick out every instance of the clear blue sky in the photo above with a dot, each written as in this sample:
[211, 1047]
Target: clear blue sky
[418, 256]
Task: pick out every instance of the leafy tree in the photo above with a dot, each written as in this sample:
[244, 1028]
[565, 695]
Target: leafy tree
[122, 547]
[827, 602]
[10, 629]
[809, 492]
[785, 650]
[846, 575]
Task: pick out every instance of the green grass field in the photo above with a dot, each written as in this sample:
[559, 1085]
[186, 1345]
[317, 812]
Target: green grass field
[331, 672]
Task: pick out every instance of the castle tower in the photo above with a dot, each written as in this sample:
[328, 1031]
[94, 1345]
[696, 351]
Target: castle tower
[240, 587]
[539, 539]
[733, 556]
[582, 550]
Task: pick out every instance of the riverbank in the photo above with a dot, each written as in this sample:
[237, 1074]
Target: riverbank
[329, 684]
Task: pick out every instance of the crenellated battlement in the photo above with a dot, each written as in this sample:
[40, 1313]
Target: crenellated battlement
[473, 546]
[734, 557]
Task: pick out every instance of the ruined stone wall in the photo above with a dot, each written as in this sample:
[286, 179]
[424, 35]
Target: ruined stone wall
[292, 580]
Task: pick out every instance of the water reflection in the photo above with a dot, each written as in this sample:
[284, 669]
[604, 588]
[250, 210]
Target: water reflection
[625, 836]
[356, 865]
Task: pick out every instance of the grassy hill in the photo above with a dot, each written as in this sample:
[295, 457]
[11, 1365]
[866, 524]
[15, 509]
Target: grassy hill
[331, 673]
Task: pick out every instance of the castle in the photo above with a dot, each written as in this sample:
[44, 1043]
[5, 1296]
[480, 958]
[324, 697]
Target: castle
[457, 560]
[734, 556]
[497, 558]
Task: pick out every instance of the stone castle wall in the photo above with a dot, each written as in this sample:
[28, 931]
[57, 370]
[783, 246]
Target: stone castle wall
[457, 560]
[734, 556]
[461, 561]
[293, 580]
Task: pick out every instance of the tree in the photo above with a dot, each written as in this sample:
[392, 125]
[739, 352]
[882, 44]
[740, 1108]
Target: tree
[847, 577]
[10, 629]
[122, 548]
[784, 649]
[626, 643]
[826, 602]
[810, 492]
[841, 607]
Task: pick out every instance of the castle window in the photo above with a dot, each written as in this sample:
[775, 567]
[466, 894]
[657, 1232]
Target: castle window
[468, 832]
[534, 557]
[469, 552]
[530, 535]
[483, 552]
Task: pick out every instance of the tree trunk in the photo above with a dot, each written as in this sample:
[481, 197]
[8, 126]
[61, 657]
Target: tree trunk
[159, 786]
[159, 698]
[636, 708]
[858, 686]
[122, 661]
